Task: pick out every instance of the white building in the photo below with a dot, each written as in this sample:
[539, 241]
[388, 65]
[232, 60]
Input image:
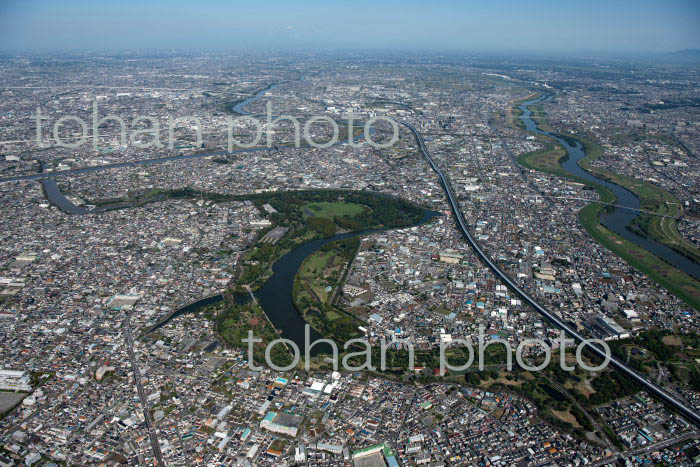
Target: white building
[11, 380]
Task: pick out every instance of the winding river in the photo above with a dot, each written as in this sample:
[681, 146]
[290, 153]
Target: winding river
[239, 108]
[275, 296]
[617, 218]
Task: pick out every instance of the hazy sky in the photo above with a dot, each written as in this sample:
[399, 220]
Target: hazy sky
[563, 26]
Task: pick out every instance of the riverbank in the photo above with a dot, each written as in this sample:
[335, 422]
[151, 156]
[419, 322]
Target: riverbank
[514, 113]
[312, 219]
[656, 201]
[661, 208]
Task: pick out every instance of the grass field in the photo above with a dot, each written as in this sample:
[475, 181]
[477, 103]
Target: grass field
[315, 285]
[539, 117]
[547, 159]
[316, 272]
[9, 399]
[652, 198]
[331, 209]
[566, 416]
[513, 114]
[514, 117]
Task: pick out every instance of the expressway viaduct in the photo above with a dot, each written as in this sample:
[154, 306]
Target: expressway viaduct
[661, 393]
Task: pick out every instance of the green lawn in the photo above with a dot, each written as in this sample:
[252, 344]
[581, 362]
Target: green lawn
[513, 113]
[331, 209]
[539, 117]
[652, 198]
[683, 286]
[316, 263]
[320, 270]
[547, 159]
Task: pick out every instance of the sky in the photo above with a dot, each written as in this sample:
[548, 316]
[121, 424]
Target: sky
[498, 26]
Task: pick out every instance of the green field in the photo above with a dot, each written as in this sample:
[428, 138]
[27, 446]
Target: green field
[319, 271]
[652, 198]
[547, 159]
[233, 321]
[316, 214]
[514, 113]
[331, 209]
[351, 210]
[514, 117]
[539, 117]
[315, 285]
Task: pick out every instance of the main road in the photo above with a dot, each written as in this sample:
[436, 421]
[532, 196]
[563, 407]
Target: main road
[650, 386]
[153, 436]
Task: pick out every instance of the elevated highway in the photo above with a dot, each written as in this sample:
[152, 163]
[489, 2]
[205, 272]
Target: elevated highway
[620, 366]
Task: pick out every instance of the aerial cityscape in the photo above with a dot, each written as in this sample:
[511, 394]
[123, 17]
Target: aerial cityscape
[378, 234]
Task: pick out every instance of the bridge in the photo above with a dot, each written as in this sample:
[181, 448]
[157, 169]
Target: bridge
[589, 200]
[175, 312]
[620, 366]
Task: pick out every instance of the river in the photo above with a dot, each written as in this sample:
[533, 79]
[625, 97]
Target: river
[616, 219]
[275, 296]
[56, 196]
[238, 108]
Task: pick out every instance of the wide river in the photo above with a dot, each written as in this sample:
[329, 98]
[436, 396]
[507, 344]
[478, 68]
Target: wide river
[617, 219]
[275, 296]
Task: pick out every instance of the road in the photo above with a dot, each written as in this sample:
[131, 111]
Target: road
[139, 388]
[646, 449]
[590, 200]
[640, 379]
